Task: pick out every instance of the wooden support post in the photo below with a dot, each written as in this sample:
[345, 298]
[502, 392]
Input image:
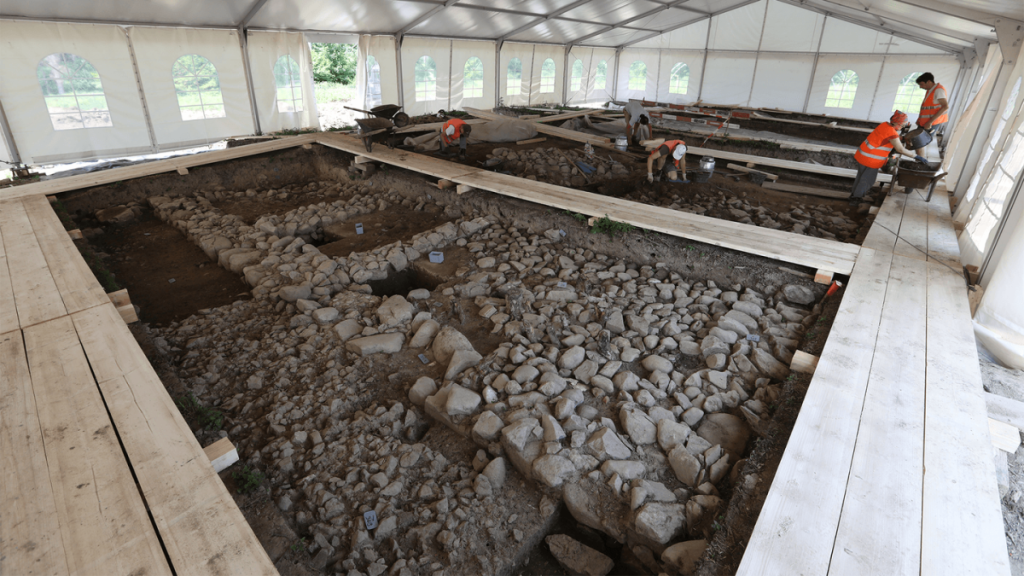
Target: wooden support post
[363, 160]
[52, 199]
[307, 146]
[443, 184]
[803, 362]
[182, 170]
[823, 277]
[972, 273]
[463, 188]
[222, 454]
[75, 234]
[873, 210]
[1005, 436]
[124, 306]
[974, 294]
[592, 220]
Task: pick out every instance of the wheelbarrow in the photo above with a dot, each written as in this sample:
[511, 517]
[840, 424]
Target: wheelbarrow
[386, 111]
[374, 130]
[927, 178]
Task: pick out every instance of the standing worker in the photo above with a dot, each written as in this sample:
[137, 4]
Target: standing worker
[638, 122]
[455, 130]
[677, 150]
[874, 152]
[934, 106]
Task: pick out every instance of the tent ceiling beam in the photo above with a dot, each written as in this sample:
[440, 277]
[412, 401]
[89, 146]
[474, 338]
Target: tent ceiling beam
[884, 18]
[678, 26]
[972, 15]
[953, 48]
[256, 7]
[545, 18]
[436, 10]
[647, 14]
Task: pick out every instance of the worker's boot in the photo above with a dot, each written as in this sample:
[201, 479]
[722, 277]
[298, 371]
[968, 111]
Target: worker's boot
[462, 155]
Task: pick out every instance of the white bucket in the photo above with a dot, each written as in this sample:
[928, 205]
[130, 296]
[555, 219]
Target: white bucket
[621, 143]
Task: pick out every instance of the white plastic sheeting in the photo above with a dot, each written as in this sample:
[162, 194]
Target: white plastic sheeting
[728, 78]
[694, 61]
[462, 52]
[524, 52]
[382, 50]
[999, 320]
[23, 45]
[591, 58]
[780, 81]
[157, 49]
[739, 29]
[422, 99]
[791, 29]
[554, 93]
[651, 59]
[867, 68]
[265, 49]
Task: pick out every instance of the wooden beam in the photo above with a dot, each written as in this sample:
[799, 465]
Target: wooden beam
[759, 116]
[803, 362]
[75, 234]
[809, 190]
[551, 130]
[823, 277]
[222, 454]
[102, 177]
[463, 188]
[531, 141]
[436, 126]
[570, 115]
[363, 160]
[182, 170]
[1005, 436]
[443, 184]
[1006, 410]
[768, 176]
[777, 163]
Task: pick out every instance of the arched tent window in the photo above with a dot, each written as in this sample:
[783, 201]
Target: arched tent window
[547, 77]
[73, 92]
[909, 95]
[514, 77]
[198, 88]
[601, 75]
[679, 81]
[426, 79]
[373, 94]
[842, 90]
[288, 80]
[473, 79]
[576, 80]
[638, 76]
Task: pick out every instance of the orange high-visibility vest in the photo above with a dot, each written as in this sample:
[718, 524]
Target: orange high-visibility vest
[671, 147]
[874, 151]
[457, 124]
[929, 107]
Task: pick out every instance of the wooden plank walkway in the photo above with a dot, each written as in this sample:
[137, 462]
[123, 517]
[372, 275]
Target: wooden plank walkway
[808, 251]
[83, 416]
[888, 468]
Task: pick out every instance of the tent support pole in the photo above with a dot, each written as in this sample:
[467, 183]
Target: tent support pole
[244, 47]
[497, 73]
[814, 67]
[12, 147]
[615, 77]
[704, 65]
[398, 66]
[565, 74]
[142, 93]
[757, 55]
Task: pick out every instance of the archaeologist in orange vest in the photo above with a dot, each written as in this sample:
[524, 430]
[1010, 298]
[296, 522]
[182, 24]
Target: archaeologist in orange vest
[671, 148]
[934, 106]
[452, 131]
[874, 152]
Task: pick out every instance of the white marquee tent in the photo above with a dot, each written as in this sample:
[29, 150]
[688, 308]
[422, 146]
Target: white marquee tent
[153, 62]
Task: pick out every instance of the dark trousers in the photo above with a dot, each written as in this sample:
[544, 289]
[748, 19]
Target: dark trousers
[462, 143]
[864, 181]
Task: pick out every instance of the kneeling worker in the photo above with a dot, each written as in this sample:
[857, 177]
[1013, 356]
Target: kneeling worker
[452, 131]
[638, 122]
[677, 150]
[874, 152]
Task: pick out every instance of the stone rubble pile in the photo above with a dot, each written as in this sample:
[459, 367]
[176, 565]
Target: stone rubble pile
[627, 392]
[557, 166]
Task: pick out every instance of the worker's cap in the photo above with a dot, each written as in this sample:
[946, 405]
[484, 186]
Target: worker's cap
[898, 118]
[449, 130]
[679, 152]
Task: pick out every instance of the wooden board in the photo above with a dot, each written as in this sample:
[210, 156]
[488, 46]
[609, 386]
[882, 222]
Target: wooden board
[886, 226]
[814, 124]
[101, 177]
[880, 526]
[551, 130]
[433, 126]
[810, 190]
[749, 170]
[796, 529]
[913, 236]
[31, 542]
[104, 525]
[961, 500]
[777, 163]
[803, 362]
[531, 141]
[785, 246]
[1005, 436]
[1005, 409]
[803, 250]
[36, 296]
[8, 309]
[200, 525]
[942, 241]
[79, 288]
[570, 115]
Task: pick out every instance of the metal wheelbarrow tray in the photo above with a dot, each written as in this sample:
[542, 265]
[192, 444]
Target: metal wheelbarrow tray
[373, 130]
[910, 178]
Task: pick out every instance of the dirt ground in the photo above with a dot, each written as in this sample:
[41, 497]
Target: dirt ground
[823, 132]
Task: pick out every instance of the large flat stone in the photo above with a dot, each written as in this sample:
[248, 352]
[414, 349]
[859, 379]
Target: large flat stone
[378, 343]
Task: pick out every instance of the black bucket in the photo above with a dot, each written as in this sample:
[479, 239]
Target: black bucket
[701, 176]
[919, 138]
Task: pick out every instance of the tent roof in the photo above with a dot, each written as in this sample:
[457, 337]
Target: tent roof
[951, 25]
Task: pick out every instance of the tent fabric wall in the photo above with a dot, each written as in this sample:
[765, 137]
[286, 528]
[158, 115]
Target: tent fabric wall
[5, 154]
[586, 58]
[999, 320]
[780, 81]
[462, 51]
[440, 51]
[728, 78]
[591, 58]
[524, 52]
[738, 29]
[651, 59]
[691, 37]
[24, 44]
[541, 53]
[265, 48]
[895, 68]
[867, 68]
[963, 135]
[382, 48]
[843, 37]
[694, 60]
[791, 29]
[157, 49]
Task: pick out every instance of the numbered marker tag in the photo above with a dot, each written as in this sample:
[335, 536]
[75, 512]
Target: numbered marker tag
[359, 228]
[562, 284]
[423, 358]
[753, 337]
[370, 518]
[562, 232]
[437, 257]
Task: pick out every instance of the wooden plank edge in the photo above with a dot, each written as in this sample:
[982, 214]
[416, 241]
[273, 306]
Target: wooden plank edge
[1005, 436]
[222, 454]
